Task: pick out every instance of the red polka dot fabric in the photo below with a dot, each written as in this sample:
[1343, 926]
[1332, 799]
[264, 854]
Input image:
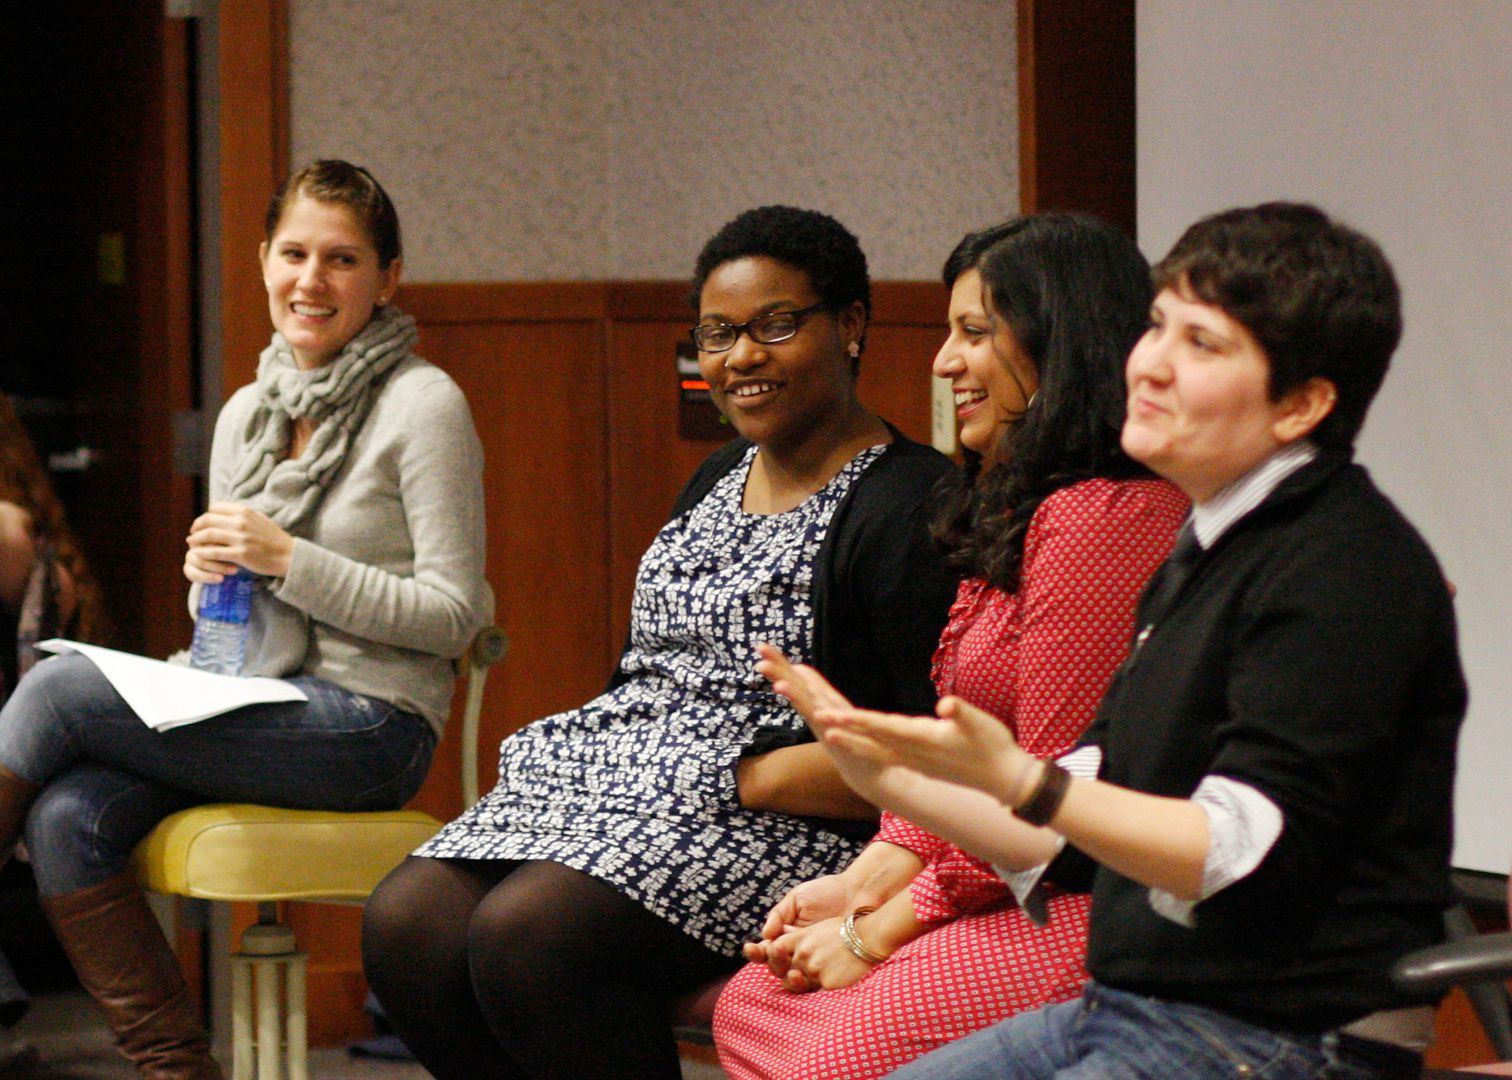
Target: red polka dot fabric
[1039, 659]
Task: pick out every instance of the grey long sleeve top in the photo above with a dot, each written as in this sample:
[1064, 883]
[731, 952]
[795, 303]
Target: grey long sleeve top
[385, 589]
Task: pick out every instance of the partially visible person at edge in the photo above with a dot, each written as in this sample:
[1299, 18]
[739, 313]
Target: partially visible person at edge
[631, 843]
[1057, 530]
[46, 590]
[1262, 807]
[348, 479]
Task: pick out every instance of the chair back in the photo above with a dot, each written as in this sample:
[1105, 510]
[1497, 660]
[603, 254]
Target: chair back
[488, 648]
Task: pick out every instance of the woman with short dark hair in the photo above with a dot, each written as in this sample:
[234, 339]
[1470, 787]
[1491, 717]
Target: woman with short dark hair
[1262, 806]
[631, 843]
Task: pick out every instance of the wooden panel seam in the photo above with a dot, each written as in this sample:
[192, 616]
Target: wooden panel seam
[482, 302]
[457, 303]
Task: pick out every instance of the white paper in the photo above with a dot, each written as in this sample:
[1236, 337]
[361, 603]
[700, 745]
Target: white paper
[169, 695]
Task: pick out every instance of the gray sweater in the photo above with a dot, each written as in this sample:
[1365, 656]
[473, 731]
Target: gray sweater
[386, 585]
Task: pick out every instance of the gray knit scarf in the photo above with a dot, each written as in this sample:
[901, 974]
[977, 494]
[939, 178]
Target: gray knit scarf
[336, 396]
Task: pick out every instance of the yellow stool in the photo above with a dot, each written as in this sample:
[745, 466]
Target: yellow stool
[262, 854]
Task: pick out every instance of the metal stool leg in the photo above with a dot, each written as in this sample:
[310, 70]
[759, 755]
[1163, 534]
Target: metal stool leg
[279, 1047]
[243, 1056]
[298, 1034]
[269, 1030]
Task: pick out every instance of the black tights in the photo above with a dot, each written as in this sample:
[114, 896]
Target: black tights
[497, 969]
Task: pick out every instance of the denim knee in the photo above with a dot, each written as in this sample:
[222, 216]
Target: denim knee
[84, 825]
[34, 734]
[59, 836]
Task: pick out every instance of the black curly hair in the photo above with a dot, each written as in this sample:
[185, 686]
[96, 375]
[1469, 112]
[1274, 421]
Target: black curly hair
[807, 240]
[1076, 294]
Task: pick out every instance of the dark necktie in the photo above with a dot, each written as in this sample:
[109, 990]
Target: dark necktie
[1171, 577]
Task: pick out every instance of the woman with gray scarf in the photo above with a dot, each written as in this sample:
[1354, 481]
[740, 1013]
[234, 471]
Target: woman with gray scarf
[348, 480]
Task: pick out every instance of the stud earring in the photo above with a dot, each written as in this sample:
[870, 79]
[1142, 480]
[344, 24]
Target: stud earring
[854, 348]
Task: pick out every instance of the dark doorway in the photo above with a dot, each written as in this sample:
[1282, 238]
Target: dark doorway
[96, 284]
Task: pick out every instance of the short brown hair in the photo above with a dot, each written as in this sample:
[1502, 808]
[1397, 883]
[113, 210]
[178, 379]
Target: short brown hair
[1318, 296]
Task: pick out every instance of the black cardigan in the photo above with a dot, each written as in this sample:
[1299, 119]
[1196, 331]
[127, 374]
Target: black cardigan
[880, 593]
[1312, 655]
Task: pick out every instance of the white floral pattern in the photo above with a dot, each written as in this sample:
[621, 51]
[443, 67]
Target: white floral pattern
[637, 787]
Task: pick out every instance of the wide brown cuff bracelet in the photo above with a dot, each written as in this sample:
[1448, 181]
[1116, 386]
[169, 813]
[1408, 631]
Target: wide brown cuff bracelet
[1046, 798]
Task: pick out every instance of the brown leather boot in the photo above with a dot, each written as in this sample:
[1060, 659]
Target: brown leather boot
[16, 797]
[123, 960]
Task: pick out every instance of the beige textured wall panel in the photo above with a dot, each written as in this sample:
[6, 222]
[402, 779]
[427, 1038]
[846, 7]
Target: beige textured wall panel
[607, 140]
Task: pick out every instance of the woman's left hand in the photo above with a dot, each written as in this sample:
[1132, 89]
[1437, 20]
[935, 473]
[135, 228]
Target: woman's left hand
[819, 959]
[810, 693]
[229, 532]
[806, 690]
[964, 745]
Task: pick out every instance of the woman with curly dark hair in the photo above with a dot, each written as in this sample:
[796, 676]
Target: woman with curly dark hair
[917, 943]
[631, 843]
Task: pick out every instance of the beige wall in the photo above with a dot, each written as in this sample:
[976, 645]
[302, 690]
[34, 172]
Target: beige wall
[595, 139]
[1393, 114]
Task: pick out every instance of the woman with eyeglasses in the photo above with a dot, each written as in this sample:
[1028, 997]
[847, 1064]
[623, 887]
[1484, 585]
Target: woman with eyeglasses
[630, 844]
[916, 942]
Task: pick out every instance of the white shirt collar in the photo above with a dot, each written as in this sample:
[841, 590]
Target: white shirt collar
[1216, 516]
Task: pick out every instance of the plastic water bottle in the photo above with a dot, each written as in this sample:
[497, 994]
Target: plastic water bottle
[220, 629]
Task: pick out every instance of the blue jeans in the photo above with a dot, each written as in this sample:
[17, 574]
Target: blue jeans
[108, 778]
[1109, 1034]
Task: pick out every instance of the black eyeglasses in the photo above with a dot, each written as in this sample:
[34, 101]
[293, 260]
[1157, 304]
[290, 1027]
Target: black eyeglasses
[764, 329]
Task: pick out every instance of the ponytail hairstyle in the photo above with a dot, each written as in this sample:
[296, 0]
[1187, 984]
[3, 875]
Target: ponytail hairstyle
[334, 181]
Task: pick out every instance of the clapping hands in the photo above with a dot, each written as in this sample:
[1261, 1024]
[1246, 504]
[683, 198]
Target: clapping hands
[961, 744]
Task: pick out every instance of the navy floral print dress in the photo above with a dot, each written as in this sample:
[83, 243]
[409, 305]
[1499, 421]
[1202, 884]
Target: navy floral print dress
[637, 787]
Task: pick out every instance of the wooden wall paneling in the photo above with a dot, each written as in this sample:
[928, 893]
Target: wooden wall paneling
[530, 360]
[648, 461]
[254, 149]
[907, 328]
[335, 986]
[1076, 108]
[166, 280]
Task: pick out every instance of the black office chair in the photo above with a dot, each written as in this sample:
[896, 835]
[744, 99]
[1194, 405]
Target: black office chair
[1481, 964]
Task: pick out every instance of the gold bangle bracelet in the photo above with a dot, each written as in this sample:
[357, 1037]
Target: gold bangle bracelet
[853, 940]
